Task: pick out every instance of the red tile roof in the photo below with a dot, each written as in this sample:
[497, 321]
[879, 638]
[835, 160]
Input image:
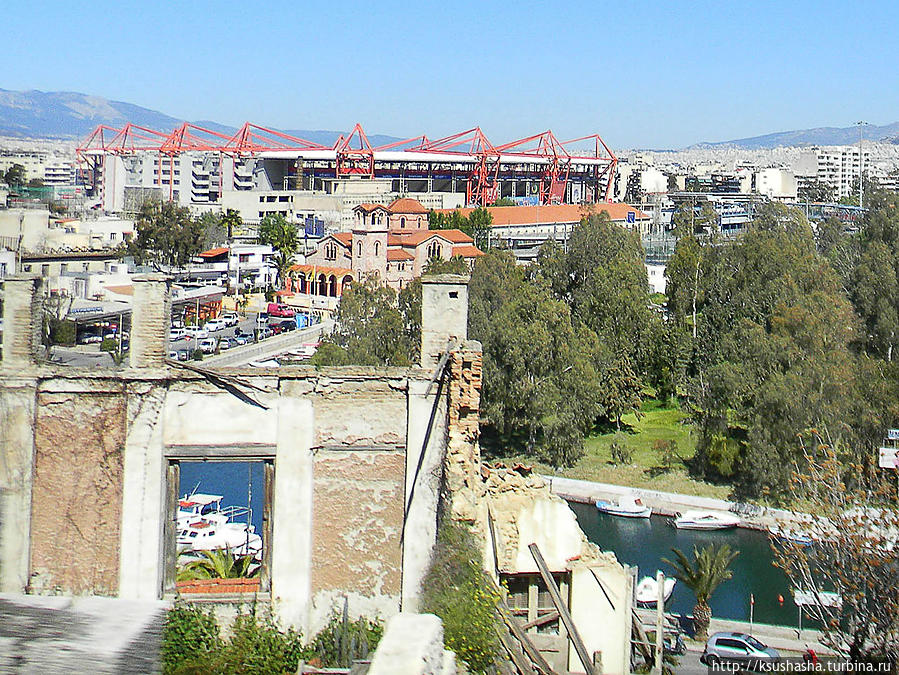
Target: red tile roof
[394, 254]
[213, 252]
[406, 205]
[319, 269]
[416, 238]
[345, 238]
[368, 208]
[467, 251]
[559, 213]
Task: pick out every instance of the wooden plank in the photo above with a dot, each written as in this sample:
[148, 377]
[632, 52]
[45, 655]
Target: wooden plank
[268, 503]
[642, 640]
[556, 597]
[169, 529]
[529, 647]
[540, 620]
[521, 664]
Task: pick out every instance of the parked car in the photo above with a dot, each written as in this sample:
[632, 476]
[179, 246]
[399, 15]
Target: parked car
[261, 320]
[227, 343]
[183, 354]
[196, 333]
[215, 325]
[242, 338]
[737, 648]
[173, 355]
[230, 318]
[178, 323]
[264, 333]
[207, 345]
[284, 326]
[89, 339]
[176, 334]
[281, 310]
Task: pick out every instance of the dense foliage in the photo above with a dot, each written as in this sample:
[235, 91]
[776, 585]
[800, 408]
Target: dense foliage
[284, 239]
[167, 235]
[456, 590]
[192, 643]
[476, 224]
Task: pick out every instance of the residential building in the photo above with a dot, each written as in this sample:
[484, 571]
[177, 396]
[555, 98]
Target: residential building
[392, 243]
[838, 166]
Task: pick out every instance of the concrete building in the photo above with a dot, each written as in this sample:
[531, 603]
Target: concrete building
[838, 166]
[391, 242]
[776, 183]
[356, 461]
[525, 228]
[241, 265]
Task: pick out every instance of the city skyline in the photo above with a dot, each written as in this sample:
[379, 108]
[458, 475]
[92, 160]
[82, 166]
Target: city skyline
[640, 75]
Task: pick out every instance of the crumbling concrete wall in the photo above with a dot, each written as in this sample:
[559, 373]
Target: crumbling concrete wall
[413, 645]
[77, 493]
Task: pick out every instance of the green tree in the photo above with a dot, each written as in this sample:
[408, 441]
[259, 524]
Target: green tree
[232, 221]
[602, 278]
[541, 385]
[14, 175]
[690, 220]
[35, 183]
[370, 329]
[476, 224]
[816, 191]
[708, 569]
[282, 236]
[167, 236]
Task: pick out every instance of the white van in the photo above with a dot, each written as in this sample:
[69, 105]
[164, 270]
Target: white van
[196, 332]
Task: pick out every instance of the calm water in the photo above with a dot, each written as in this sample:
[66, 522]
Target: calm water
[644, 542]
[235, 481]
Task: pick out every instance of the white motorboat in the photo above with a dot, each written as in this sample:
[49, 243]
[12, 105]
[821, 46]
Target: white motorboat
[628, 506]
[705, 520]
[203, 525]
[823, 599]
[647, 591]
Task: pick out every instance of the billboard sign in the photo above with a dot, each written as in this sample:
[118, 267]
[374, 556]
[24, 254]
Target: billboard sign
[893, 434]
[889, 458]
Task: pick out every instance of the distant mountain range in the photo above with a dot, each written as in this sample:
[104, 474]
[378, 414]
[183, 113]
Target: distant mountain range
[820, 136]
[70, 115]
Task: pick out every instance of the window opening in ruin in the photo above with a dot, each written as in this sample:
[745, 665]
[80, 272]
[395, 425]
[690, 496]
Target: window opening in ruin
[530, 601]
[219, 511]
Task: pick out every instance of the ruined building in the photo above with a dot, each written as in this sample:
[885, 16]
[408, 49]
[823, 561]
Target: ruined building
[355, 461]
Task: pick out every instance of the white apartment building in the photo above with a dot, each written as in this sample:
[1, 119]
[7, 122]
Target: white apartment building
[838, 166]
[776, 183]
[52, 169]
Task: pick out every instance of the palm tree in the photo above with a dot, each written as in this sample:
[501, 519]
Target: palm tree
[218, 564]
[702, 575]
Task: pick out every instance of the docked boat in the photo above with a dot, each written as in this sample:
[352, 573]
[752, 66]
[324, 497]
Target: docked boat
[823, 599]
[628, 506]
[647, 591]
[705, 520]
[204, 525]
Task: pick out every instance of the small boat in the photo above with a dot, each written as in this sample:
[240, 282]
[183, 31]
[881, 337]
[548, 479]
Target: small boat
[628, 506]
[795, 536]
[647, 591]
[705, 520]
[827, 598]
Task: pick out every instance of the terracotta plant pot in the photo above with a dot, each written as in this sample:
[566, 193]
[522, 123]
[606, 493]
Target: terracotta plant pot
[218, 586]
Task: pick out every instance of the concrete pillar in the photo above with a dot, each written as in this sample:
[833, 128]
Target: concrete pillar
[150, 318]
[444, 315]
[23, 320]
[412, 645]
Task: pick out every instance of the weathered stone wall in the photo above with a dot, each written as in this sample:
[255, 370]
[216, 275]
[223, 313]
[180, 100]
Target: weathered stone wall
[357, 522]
[77, 493]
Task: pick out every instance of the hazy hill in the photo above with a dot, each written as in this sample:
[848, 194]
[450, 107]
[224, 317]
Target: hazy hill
[66, 114]
[819, 136]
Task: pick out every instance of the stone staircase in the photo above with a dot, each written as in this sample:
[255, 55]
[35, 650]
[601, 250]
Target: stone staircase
[55, 634]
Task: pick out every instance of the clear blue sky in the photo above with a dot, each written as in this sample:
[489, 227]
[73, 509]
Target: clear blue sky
[642, 74]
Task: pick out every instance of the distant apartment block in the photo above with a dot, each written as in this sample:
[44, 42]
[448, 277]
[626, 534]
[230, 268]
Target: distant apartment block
[838, 166]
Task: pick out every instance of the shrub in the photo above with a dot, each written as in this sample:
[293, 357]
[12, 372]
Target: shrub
[621, 453]
[191, 645]
[456, 590]
[197, 355]
[189, 634]
[62, 332]
[667, 451]
[109, 345]
[342, 640]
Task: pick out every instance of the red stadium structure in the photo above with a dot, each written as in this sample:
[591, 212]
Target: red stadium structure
[540, 160]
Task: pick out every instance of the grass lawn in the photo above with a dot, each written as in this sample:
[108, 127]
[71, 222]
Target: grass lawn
[656, 422]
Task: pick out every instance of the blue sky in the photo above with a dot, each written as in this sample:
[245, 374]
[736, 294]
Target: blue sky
[642, 74]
